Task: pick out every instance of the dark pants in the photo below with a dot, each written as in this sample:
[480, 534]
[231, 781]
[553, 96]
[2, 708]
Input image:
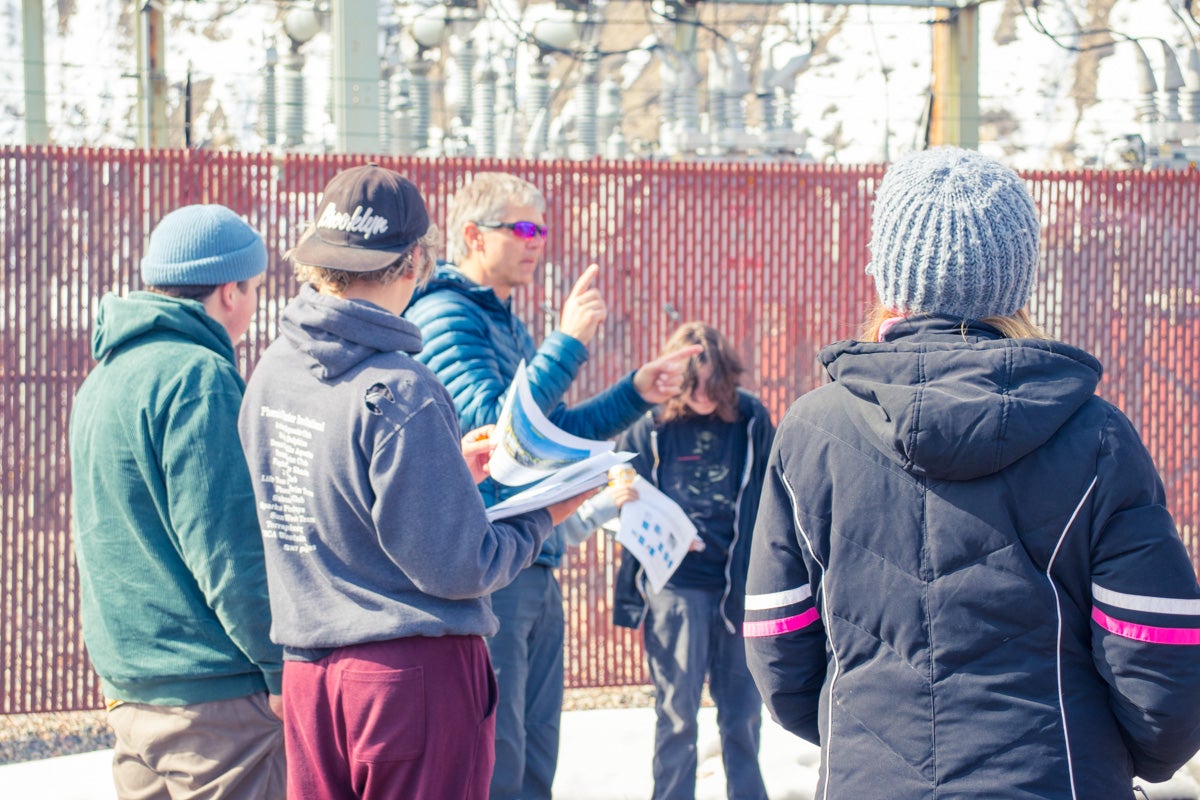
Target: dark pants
[410, 718]
[527, 654]
[686, 640]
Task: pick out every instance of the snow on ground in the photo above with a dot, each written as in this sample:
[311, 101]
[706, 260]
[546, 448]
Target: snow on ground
[605, 755]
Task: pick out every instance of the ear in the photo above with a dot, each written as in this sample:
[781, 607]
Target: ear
[473, 236]
[227, 294]
[221, 302]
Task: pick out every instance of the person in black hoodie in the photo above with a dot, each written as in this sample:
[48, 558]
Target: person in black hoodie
[707, 451]
[964, 580]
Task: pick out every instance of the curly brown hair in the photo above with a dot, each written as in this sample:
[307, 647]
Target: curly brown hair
[721, 386]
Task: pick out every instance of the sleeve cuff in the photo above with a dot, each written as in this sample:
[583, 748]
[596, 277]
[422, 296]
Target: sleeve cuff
[274, 681]
[628, 394]
[567, 347]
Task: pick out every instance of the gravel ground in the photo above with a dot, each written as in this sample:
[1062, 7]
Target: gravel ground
[610, 697]
[30, 737]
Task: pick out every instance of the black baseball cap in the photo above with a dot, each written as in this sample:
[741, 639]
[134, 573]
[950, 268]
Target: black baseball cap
[367, 217]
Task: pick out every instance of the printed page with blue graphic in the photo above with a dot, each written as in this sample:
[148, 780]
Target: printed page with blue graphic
[530, 449]
[656, 531]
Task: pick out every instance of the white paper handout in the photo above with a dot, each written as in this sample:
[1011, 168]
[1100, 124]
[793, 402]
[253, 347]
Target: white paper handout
[656, 531]
[531, 447]
[568, 482]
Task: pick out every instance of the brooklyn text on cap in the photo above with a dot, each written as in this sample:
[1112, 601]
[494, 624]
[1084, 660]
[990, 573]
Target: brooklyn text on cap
[368, 216]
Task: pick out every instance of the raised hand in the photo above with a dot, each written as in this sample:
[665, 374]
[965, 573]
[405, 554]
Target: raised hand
[584, 310]
[661, 379]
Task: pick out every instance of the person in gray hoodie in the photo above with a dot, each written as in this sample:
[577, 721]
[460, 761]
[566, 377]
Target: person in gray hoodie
[379, 553]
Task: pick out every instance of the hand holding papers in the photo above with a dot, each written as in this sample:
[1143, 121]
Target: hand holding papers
[574, 480]
[477, 451]
[656, 531]
[531, 448]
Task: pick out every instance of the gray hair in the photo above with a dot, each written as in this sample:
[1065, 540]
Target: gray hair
[485, 199]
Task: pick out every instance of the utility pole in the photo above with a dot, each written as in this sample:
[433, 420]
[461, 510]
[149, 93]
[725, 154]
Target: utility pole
[33, 32]
[954, 117]
[356, 75]
[152, 77]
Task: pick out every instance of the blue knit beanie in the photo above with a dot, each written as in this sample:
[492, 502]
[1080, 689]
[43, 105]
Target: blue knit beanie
[954, 233]
[202, 245]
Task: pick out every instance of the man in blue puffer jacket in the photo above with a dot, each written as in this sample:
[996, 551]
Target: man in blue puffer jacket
[474, 343]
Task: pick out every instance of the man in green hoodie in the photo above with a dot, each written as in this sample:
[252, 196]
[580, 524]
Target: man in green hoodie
[172, 579]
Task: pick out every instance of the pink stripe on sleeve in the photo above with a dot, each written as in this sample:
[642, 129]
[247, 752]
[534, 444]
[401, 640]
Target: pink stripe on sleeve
[1145, 633]
[774, 627]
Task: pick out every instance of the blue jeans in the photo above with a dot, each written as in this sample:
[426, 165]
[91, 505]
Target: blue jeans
[686, 640]
[527, 655]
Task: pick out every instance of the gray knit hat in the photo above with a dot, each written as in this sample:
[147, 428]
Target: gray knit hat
[953, 233]
[202, 245]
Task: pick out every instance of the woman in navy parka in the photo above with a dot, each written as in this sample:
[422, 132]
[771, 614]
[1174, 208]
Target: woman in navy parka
[964, 580]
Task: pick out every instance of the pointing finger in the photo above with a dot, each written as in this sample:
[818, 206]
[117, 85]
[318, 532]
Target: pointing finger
[680, 356]
[585, 280]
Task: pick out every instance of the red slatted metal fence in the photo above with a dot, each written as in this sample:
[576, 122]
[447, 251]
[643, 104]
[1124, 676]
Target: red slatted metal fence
[772, 254]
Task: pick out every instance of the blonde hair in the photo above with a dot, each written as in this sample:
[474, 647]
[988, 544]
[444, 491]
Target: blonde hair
[419, 259]
[485, 199]
[1017, 325]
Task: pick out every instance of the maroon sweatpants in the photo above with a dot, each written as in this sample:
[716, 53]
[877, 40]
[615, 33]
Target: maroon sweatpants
[407, 718]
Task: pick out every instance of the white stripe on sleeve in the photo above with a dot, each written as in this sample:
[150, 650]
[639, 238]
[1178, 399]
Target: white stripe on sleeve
[1141, 602]
[762, 602]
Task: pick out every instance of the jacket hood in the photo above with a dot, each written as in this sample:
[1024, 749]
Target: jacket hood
[121, 320]
[447, 276]
[334, 334]
[956, 404]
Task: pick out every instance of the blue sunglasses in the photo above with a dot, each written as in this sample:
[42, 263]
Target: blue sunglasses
[523, 230]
